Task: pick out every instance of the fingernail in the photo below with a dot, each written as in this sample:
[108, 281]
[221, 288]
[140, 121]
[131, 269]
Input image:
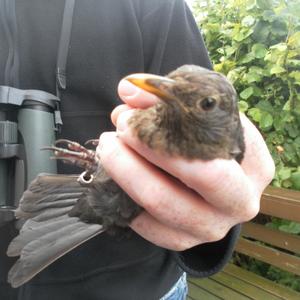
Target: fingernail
[102, 139]
[105, 139]
[122, 122]
[127, 89]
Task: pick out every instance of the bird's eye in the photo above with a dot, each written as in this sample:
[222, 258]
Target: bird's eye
[208, 103]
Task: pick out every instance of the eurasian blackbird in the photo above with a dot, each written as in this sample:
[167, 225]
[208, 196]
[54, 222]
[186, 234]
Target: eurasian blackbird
[197, 118]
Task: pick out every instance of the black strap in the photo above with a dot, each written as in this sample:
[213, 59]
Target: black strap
[14, 96]
[14, 29]
[64, 44]
[9, 20]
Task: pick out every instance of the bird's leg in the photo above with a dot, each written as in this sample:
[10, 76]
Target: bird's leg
[76, 146]
[75, 154]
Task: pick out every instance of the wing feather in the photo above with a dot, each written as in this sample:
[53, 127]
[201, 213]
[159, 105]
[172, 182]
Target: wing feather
[48, 232]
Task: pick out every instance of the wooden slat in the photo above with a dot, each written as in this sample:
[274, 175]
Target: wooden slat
[263, 283]
[197, 293]
[245, 288]
[271, 236]
[281, 203]
[217, 289]
[269, 255]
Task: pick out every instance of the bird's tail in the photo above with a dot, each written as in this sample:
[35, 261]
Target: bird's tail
[48, 232]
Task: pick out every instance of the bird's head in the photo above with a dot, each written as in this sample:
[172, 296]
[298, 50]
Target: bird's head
[194, 91]
[199, 103]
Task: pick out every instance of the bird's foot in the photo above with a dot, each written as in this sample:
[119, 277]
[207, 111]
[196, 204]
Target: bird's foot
[75, 154]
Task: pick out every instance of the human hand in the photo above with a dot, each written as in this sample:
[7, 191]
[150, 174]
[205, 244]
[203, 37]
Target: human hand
[186, 202]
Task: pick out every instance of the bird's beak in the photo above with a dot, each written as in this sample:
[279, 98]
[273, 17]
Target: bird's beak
[157, 85]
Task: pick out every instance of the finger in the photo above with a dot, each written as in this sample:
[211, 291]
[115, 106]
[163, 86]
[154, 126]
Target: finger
[117, 111]
[134, 96]
[256, 154]
[163, 236]
[214, 179]
[164, 197]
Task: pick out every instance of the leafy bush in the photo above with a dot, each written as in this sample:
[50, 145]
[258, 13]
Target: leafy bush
[256, 43]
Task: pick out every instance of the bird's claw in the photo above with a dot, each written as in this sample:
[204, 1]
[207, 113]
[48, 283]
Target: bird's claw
[93, 142]
[74, 145]
[75, 154]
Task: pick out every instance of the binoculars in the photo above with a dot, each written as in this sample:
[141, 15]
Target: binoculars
[29, 120]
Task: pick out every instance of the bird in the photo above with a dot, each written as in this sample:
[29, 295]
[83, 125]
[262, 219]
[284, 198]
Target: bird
[196, 117]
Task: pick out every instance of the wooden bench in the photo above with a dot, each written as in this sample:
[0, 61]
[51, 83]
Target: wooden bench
[271, 246]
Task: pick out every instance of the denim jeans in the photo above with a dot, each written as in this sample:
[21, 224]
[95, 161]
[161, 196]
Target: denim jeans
[178, 291]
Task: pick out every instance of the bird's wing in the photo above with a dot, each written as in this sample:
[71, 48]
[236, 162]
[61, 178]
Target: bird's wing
[49, 232]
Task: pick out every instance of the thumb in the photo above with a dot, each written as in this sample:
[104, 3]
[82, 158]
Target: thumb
[134, 96]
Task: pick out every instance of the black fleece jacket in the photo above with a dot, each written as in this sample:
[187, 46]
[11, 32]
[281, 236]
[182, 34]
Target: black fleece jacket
[110, 39]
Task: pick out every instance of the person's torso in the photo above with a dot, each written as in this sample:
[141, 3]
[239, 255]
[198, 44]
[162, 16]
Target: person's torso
[105, 45]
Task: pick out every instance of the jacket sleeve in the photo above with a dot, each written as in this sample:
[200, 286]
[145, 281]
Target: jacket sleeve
[171, 38]
[207, 259]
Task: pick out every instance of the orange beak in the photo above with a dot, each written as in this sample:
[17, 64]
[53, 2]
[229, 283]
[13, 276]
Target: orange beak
[154, 84]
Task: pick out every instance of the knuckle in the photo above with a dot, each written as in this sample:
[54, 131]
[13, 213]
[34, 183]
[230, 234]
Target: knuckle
[270, 171]
[155, 199]
[251, 209]
[214, 173]
[151, 206]
[217, 234]
[182, 244]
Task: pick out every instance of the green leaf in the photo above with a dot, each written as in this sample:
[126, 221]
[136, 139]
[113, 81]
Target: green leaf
[284, 173]
[293, 228]
[295, 179]
[279, 27]
[259, 50]
[243, 106]
[248, 21]
[294, 8]
[266, 120]
[268, 15]
[213, 27]
[257, 92]
[247, 58]
[287, 106]
[252, 77]
[295, 75]
[292, 130]
[245, 94]
[286, 183]
[265, 105]
[261, 31]
[293, 62]
[264, 4]
[294, 40]
[235, 74]
[280, 47]
[255, 114]
[297, 142]
[277, 70]
[242, 35]
[229, 50]
[239, 36]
